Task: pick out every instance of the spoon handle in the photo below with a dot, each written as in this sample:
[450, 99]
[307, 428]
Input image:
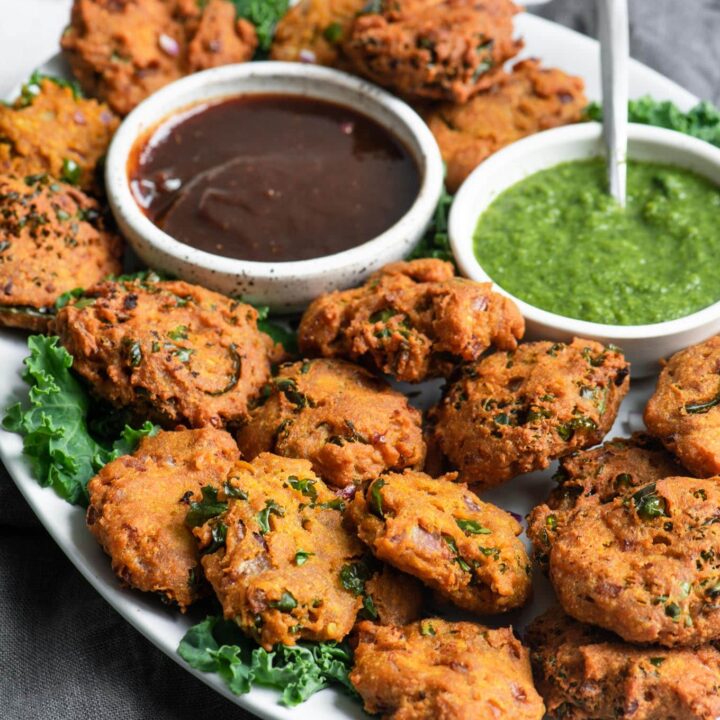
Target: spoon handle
[614, 54]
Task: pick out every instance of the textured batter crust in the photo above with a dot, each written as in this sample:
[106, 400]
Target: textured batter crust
[171, 351]
[286, 568]
[586, 674]
[50, 130]
[616, 468]
[314, 30]
[645, 565]
[397, 598]
[443, 534]
[434, 49]
[525, 101]
[438, 670]
[350, 424]
[53, 239]
[512, 413]
[138, 505]
[684, 412]
[413, 320]
[123, 50]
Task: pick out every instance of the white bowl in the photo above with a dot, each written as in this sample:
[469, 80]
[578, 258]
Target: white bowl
[284, 286]
[644, 345]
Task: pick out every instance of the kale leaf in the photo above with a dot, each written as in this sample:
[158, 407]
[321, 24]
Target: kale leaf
[264, 15]
[62, 452]
[217, 645]
[435, 243]
[702, 121]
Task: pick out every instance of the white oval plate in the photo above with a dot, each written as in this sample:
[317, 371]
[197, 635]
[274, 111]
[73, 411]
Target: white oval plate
[557, 46]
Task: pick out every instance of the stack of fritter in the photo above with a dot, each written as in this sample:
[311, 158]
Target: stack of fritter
[632, 547]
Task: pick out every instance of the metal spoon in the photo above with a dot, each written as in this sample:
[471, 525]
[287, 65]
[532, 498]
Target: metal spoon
[614, 54]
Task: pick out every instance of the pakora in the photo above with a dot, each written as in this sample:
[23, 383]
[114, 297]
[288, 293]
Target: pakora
[511, 413]
[121, 51]
[167, 350]
[412, 320]
[350, 424]
[314, 30]
[522, 102]
[434, 669]
[684, 412]
[443, 534]
[397, 598]
[53, 238]
[279, 559]
[138, 505]
[584, 673]
[599, 475]
[50, 129]
[645, 565]
[434, 49]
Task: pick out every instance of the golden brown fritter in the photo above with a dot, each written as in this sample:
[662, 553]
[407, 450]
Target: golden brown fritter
[413, 320]
[645, 565]
[121, 51]
[218, 37]
[444, 535]
[527, 100]
[397, 598]
[49, 129]
[171, 351]
[438, 670]
[434, 49]
[280, 561]
[616, 468]
[314, 30]
[138, 505]
[350, 424]
[684, 412]
[512, 413]
[53, 239]
[586, 674]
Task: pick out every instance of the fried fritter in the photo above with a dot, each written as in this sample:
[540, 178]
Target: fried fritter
[438, 670]
[315, 30]
[586, 674]
[444, 535]
[434, 49]
[138, 505]
[350, 424]
[616, 468]
[512, 413]
[170, 351]
[121, 51]
[48, 129]
[52, 239]
[280, 561]
[413, 320]
[527, 100]
[397, 598]
[684, 412]
[646, 565]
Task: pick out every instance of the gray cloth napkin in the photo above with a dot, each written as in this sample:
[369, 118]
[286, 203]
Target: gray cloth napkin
[64, 653]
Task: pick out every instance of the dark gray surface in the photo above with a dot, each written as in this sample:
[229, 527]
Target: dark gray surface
[64, 653]
[679, 38]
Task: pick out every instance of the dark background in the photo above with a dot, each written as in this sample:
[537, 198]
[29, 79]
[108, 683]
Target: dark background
[64, 653]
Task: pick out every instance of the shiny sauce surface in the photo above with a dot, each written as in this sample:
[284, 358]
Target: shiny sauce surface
[273, 178]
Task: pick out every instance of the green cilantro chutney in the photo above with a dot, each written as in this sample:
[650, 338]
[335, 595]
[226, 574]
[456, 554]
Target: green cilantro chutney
[558, 241]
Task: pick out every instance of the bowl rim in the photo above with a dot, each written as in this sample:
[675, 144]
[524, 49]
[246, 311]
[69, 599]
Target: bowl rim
[466, 200]
[163, 105]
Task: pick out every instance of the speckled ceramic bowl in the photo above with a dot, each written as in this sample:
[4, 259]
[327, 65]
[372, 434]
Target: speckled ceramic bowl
[284, 286]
